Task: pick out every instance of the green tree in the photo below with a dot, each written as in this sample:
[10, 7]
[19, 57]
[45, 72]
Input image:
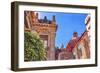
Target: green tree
[33, 48]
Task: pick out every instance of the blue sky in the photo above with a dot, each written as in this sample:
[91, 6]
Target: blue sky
[67, 24]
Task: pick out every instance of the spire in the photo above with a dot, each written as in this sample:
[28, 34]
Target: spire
[32, 16]
[45, 18]
[32, 13]
[62, 46]
[36, 15]
[53, 18]
[75, 34]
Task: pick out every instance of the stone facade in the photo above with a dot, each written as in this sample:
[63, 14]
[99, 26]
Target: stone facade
[46, 30]
[65, 55]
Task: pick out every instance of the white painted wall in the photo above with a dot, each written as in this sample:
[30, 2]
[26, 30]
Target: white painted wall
[5, 28]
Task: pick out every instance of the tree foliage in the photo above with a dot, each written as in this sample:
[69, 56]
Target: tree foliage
[33, 48]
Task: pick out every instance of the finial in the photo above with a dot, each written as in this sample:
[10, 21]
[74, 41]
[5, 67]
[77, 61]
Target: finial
[75, 34]
[62, 46]
[45, 18]
[36, 15]
[53, 18]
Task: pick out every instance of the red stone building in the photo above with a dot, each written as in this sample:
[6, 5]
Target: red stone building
[46, 29]
[72, 42]
[82, 48]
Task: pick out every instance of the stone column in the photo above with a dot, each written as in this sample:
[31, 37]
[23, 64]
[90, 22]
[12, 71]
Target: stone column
[48, 53]
[52, 46]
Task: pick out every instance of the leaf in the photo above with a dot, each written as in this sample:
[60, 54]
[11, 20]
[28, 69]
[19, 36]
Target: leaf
[33, 48]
